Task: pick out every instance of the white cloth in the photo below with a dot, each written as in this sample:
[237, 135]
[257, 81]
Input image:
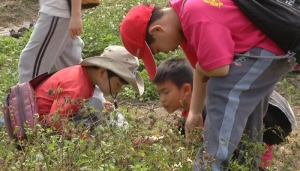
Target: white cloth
[58, 8]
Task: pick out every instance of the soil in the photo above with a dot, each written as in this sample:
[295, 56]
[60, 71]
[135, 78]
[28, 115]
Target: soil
[16, 14]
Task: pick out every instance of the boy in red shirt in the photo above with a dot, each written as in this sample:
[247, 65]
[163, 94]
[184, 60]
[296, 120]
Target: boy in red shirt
[63, 93]
[236, 89]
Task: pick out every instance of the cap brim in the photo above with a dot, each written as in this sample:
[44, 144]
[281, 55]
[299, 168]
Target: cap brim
[115, 66]
[149, 62]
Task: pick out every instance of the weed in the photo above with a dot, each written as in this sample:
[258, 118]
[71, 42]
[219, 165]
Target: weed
[110, 148]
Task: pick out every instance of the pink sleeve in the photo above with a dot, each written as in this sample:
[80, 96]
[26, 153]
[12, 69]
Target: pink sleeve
[212, 43]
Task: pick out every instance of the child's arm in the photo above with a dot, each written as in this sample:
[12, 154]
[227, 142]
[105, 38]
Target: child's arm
[149, 140]
[75, 26]
[218, 72]
[194, 118]
[142, 140]
[62, 108]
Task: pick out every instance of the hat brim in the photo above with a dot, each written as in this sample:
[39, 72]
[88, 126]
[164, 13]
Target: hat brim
[149, 62]
[278, 101]
[118, 68]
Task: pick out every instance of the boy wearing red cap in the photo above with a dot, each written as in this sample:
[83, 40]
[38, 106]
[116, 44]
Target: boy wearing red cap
[238, 88]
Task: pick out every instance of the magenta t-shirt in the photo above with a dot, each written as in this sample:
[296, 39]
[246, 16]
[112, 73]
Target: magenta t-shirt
[215, 30]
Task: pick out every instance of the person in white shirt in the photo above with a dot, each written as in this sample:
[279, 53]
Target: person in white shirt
[55, 43]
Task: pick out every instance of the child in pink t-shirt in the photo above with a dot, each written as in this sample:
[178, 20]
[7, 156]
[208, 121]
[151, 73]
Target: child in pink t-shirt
[236, 89]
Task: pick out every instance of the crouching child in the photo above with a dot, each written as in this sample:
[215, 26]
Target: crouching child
[60, 98]
[174, 85]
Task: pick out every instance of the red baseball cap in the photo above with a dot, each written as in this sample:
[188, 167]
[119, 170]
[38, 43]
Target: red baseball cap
[133, 33]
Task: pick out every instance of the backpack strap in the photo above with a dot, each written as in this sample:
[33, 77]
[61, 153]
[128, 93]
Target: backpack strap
[70, 6]
[7, 119]
[277, 19]
[39, 79]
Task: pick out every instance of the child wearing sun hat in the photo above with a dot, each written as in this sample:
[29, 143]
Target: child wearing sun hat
[62, 94]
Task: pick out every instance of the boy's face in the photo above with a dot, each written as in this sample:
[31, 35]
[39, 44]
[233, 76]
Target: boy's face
[109, 86]
[170, 95]
[166, 40]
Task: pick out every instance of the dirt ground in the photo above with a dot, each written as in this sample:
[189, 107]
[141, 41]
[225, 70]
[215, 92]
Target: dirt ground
[15, 14]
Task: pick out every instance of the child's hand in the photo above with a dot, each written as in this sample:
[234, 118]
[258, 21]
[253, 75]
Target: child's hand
[108, 106]
[142, 140]
[193, 122]
[75, 27]
[177, 122]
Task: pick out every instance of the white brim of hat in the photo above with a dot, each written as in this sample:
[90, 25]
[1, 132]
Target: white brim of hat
[278, 101]
[118, 68]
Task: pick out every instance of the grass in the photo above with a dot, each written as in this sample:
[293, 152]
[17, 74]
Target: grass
[111, 148]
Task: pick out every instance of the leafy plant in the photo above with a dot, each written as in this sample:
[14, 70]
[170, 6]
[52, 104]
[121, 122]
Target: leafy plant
[110, 148]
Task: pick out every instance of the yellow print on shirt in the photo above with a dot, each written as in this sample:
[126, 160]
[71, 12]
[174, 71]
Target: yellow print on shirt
[216, 3]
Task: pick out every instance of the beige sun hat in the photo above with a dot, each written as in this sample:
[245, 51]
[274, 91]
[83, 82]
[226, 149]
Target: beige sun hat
[118, 60]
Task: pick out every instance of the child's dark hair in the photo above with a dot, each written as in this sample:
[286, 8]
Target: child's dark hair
[157, 13]
[177, 70]
[111, 74]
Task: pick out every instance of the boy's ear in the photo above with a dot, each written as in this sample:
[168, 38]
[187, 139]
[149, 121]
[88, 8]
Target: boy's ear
[156, 28]
[102, 71]
[187, 88]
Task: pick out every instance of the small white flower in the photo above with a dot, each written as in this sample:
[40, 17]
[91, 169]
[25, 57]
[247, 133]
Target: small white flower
[189, 160]
[36, 115]
[156, 137]
[180, 148]
[178, 165]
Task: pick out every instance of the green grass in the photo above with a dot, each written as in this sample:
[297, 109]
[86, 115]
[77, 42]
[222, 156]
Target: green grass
[111, 148]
